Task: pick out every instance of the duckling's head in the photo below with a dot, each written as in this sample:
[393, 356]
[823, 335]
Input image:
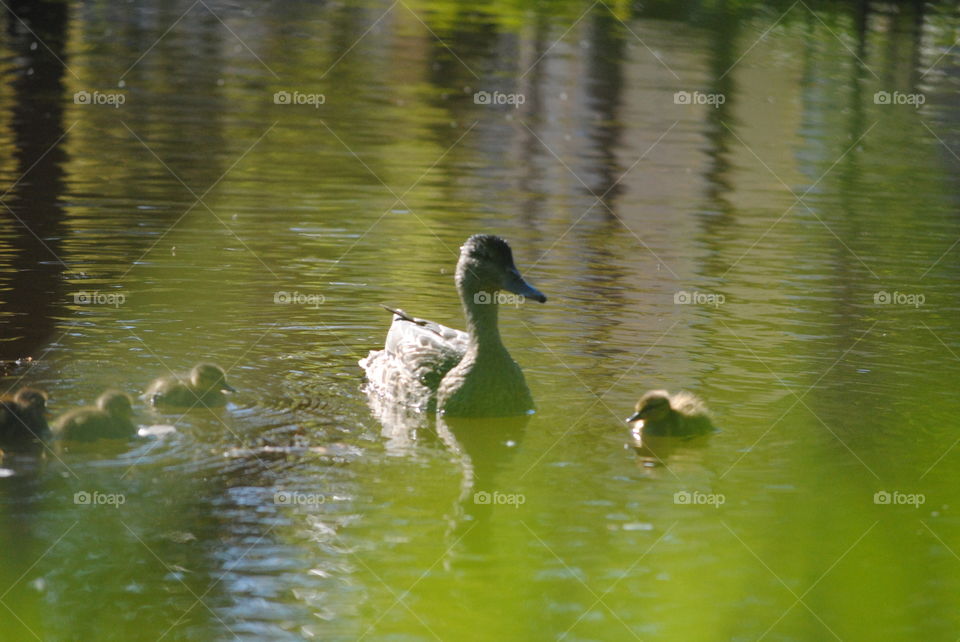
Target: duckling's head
[653, 406]
[31, 400]
[116, 403]
[209, 377]
[486, 266]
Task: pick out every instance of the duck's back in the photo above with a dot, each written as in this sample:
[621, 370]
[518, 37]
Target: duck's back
[416, 356]
[692, 415]
[174, 392]
[19, 429]
[89, 424]
[169, 391]
[12, 430]
[688, 404]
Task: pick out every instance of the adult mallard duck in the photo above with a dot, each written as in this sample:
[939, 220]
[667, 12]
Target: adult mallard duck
[203, 387]
[23, 421]
[468, 374]
[662, 414]
[109, 419]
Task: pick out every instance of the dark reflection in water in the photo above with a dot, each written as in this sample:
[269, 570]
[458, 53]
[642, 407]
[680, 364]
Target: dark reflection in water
[32, 297]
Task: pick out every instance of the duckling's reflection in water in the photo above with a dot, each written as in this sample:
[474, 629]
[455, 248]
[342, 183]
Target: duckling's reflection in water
[676, 454]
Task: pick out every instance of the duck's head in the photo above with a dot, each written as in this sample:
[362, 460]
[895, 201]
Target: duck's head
[32, 401]
[116, 403]
[207, 376]
[486, 266]
[653, 406]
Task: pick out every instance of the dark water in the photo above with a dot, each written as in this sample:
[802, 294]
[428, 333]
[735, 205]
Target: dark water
[780, 239]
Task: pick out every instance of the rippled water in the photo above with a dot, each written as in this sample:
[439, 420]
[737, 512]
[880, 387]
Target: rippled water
[786, 248]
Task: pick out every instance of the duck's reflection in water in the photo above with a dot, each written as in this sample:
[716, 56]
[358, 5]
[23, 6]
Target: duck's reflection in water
[483, 448]
[403, 429]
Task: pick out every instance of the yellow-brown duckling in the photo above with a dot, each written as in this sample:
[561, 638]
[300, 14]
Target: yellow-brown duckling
[111, 418]
[23, 421]
[661, 414]
[204, 387]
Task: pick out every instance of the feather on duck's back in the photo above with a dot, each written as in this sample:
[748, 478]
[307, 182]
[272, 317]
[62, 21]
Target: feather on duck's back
[416, 356]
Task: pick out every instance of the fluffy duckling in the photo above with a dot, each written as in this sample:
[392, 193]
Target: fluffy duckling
[663, 414]
[109, 419]
[205, 386]
[23, 421]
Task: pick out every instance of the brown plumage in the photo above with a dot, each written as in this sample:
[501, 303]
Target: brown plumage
[23, 422]
[111, 418]
[661, 414]
[203, 387]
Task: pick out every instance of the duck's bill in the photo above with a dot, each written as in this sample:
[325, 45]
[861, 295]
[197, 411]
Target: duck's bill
[517, 285]
[226, 387]
[637, 416]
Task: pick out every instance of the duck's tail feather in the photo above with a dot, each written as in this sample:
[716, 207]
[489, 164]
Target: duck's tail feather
[403, 315]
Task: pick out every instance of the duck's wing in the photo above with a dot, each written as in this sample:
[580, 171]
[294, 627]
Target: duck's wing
[417, 352]
[413, 335]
